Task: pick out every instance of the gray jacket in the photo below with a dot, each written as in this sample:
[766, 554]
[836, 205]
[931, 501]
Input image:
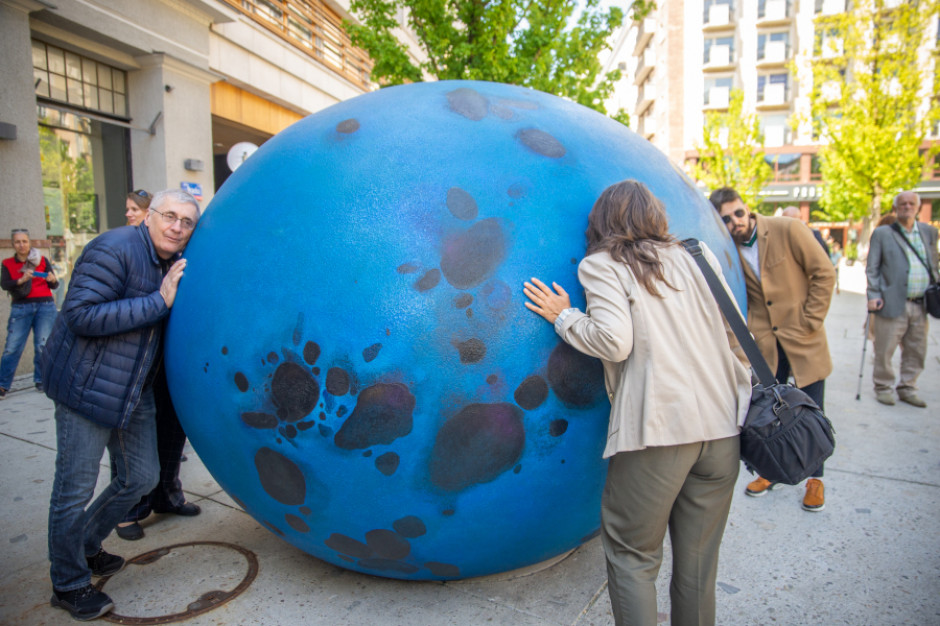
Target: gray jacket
[887, 268]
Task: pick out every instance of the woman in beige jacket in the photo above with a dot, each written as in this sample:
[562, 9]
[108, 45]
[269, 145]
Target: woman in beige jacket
[678, 395]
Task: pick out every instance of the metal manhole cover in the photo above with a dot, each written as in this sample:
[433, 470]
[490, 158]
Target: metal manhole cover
[187, 570]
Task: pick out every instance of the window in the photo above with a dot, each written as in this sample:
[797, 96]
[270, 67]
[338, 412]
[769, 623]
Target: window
[773, 47]
[815, 168]
[773, 9]
[772, 88]
[718, 12]
[718, 91]
[786, 166]
[719, 50]
[776, 130]
[79, 81]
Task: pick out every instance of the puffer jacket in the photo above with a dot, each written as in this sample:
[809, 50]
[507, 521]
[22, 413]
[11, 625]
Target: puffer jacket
[106, 336]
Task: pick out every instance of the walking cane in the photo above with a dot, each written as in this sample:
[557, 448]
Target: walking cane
[861, 368]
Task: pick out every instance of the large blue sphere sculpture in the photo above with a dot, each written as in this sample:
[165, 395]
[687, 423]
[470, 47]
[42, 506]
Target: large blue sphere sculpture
[349, 351]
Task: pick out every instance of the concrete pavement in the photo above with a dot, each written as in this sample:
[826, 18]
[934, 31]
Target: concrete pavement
[871, 557]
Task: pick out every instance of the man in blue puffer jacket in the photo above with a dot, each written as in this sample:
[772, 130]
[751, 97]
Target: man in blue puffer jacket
[98, 366]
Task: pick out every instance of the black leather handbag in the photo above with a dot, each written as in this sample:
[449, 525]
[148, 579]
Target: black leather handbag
[785, 436]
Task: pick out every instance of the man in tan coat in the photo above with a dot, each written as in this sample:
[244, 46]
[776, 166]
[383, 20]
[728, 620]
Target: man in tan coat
[789, 281]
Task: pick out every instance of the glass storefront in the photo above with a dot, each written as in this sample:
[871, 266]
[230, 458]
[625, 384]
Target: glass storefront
[84, 157]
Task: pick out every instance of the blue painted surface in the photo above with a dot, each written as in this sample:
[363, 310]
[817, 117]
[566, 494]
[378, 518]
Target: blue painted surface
[349, 352]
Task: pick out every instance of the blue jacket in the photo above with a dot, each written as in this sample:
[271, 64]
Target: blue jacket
[106, 336]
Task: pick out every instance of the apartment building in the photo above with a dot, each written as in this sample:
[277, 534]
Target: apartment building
[686, 56]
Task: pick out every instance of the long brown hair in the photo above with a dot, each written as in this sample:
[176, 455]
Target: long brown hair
[630, 223]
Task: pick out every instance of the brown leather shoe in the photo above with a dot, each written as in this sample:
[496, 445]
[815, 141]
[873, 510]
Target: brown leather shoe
[911, 398]
[815, 498]
[760, 487]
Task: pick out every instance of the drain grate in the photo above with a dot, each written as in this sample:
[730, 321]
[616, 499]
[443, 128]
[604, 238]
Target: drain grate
[204, 603]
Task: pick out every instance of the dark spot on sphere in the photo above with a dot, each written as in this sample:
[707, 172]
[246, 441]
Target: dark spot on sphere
[259, 420]
[388, 565]
[272, 357]
[337, 381]
[341, 411]
[369, 354]
[224, 349]
[492, 378]
[387, 463]
[470, 257]
[280, 477]
[467, 102]
[382, 415]
[348, 545]
[388, 544]
[518, 190]
[325, 431]
[469, 313]
[477, 445]
[558, 427]
[322, 415]
[294, 390]
[531, 393]
[574, 261]
[463, 300]
[448, 512]
[443, 570]
[311, 352]
[367, 453]
[305, 425]
[241, 382]
[296, 523]
[409, 527]
[541, 142]
[305, 510]
[348, 126]
[429, 280]
[461, 204]
[497, 295]
[471, 351]
[577, 379]
[517, 469]
[289, 431]
[273, 528]
[407, 268]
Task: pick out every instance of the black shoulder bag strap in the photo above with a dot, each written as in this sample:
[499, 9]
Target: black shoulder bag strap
[731, 314]
[897, 229]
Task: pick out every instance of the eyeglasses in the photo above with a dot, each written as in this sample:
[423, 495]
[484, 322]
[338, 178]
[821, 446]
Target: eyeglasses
[738, 213]
[170, 218]
[141, 193]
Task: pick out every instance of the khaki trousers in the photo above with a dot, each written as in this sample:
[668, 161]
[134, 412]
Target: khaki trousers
[686, 488]
[908, 330]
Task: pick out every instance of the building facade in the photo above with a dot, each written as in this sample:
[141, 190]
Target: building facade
[102, 97]
[684, 59]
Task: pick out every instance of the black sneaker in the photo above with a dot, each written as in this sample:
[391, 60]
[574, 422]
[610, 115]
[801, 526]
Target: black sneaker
[83, 604]
[104, 564]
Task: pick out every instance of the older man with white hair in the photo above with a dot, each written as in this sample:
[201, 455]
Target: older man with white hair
[902, 262]
[99, 365]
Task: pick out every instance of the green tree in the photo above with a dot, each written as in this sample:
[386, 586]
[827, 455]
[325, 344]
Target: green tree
[732, 151]
[520, 42]
[868, 106]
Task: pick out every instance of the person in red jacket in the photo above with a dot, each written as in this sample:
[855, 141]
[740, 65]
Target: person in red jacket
[29, 279]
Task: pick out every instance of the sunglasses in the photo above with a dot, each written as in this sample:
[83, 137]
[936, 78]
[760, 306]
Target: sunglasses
[738, 213]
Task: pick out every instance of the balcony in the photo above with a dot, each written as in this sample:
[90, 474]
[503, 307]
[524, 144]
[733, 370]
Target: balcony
[717, 98]
[775, 12]
[644, 35]
[719, 58]
[719, 16]
[774, 96]
[647, 95]
[645, 66]
[775, 53]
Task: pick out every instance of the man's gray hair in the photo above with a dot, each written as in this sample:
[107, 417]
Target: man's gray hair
[894, 203]
[174, 195]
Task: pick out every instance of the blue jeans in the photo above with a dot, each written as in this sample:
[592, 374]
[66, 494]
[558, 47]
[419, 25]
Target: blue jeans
[74, 530]
[25, 316]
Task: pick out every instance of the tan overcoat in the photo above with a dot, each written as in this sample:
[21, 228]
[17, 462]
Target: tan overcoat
[790, 301]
